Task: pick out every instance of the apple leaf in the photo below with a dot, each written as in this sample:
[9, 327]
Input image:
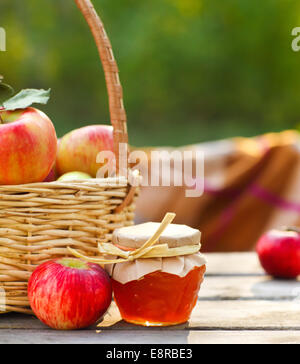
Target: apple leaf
[5, 91]
[26, 98]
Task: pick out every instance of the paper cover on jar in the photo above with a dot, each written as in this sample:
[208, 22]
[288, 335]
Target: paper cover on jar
[174, 235]
[134, 270]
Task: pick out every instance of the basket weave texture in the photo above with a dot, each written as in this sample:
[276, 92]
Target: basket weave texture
[39, 221]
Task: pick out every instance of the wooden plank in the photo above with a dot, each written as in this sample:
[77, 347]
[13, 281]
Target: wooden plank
[231, 314]
[235, 315]
[208, 315]
[244, 337]
[9, 321]
[148, 337]
[233, 264]
[91, 337]
[248, 287]
[243, 315]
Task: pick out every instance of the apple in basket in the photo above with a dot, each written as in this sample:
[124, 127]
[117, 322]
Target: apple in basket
[68, 293]
[78, 149]
[279, 252]
[28, 140]
[73, 176]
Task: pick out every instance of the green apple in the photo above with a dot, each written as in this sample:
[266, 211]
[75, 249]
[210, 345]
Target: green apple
[74, 176]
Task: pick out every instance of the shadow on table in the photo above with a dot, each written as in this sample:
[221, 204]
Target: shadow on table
[122, 332]
[113, 325]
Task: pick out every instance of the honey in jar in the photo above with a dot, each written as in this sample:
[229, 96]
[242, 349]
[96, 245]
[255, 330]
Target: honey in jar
[158, 291]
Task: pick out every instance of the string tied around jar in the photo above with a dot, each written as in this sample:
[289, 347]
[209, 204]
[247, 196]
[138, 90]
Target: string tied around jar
[147, 250]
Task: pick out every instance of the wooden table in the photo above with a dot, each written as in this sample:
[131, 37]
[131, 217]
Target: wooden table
[237, 304]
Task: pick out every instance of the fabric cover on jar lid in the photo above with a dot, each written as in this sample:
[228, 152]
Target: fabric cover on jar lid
[175, 236]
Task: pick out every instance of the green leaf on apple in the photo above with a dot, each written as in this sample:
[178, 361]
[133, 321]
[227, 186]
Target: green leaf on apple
[26, 98]
[5, 91]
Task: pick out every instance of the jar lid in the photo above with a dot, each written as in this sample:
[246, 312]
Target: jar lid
[174, 235]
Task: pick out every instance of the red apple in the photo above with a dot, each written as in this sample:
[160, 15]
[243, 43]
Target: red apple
[78, 149]
[279, 253]
[68, 293]
[28, 146]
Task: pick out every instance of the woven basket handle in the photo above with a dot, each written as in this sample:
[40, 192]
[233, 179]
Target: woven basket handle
[114, 87]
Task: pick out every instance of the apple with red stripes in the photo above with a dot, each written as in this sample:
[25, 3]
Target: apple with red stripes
[78, 149]
[69, 294]
[28, 146]
[28, 142]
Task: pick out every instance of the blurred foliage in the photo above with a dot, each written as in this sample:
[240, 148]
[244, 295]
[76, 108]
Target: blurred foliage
[192, 70]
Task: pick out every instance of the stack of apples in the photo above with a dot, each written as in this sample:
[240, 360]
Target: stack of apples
[30, 151]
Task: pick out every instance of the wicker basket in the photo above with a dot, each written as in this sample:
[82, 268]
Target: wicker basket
[39, 221]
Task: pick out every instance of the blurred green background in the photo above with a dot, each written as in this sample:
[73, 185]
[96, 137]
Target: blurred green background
[192, 70]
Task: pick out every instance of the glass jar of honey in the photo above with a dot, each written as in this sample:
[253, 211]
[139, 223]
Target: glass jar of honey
[158, 291]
